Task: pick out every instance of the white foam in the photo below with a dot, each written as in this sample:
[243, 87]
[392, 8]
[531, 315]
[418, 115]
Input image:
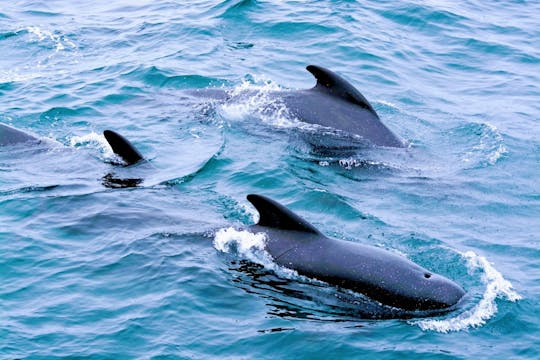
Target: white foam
[60, 41]
[494, 151]
[248, 246]
[256, 100]
[388, 103]
[94, 139]
[496, 287]
[17, 75]
[349, 163]
[491, 145]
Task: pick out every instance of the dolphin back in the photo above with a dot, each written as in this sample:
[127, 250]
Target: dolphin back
[11, 136]
[335, 103]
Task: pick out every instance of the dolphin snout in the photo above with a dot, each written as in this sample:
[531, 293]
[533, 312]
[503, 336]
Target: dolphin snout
[455, 294]
[448, 293]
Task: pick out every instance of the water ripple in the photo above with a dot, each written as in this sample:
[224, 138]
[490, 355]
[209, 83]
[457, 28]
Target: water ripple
[98, 272]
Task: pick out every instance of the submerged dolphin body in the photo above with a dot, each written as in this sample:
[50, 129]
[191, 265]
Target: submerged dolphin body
[333, 103]
[379, 274]
[11, 136]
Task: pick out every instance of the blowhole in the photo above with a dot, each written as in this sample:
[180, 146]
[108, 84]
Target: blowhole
[427, 276]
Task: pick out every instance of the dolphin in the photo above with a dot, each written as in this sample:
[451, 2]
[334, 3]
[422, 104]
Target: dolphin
[333, 102]
[379, 274]
[12, 136]
[119, 144]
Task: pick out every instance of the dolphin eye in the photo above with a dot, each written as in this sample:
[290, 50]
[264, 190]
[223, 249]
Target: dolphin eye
[427, 276]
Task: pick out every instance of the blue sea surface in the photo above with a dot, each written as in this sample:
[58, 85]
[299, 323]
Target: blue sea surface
[164, 270]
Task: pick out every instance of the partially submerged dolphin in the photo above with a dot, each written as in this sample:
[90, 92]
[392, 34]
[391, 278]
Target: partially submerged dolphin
[119, 144]
[379, 274]
[12, 136]
[333, 103]
[123, 147]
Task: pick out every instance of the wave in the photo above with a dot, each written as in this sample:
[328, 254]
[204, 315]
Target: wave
[58, 40]
[32, 65]
[496, 287]
[489, 147]
[476, 145]
[165, 78]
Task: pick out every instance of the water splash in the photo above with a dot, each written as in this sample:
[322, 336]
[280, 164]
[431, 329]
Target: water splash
[95, 140]
[255, 98]
[251, 247]
[350, 163]
[22, 72]
[496, 287]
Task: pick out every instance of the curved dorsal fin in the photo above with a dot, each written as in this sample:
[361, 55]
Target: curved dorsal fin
[335, 85]
[122, 147]
[274, 215]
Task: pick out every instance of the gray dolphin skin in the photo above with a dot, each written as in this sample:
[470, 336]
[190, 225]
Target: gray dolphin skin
[379, 274]
[11, 136]
[333, 103]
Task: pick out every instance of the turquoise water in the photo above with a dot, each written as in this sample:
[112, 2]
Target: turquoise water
[159, 271]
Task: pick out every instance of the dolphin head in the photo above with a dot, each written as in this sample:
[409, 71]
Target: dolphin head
[425, 290]
[438, 292]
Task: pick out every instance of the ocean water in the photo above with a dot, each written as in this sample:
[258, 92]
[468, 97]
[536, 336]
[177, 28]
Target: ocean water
[91, 269]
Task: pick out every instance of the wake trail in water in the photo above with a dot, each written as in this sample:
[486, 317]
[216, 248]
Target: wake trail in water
[496, 287]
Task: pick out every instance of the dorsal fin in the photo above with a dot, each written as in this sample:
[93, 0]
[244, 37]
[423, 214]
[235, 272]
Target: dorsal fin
[335, 85]
[274, 215]
[122, 147]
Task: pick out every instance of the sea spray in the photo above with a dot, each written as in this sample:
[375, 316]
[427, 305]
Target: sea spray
[251, 247]
[94, 139]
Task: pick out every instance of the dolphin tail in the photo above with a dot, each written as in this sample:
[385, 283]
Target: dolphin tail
[122, 147]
